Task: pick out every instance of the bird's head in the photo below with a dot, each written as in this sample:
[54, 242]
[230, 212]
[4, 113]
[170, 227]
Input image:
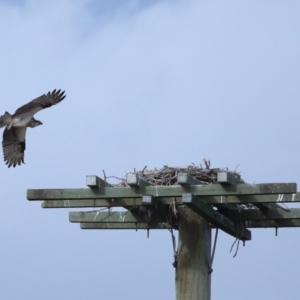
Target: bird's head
[33, 123]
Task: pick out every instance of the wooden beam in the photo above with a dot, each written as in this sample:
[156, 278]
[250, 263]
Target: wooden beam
[272, 223]
[224, 177]
[156, 205]
[128, 202]
[218, 201]
[162, 191]
[119, 225]
[94, 181]
[134, 180]
[235, 229]
[119, 202]
[254, 199]
[163, 225]
[147, 199]
[256, 214]
[187, 179]
[112, 217]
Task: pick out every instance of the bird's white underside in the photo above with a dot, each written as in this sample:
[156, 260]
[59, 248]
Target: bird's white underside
[19, 121]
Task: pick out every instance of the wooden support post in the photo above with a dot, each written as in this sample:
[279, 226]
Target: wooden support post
[193, 261]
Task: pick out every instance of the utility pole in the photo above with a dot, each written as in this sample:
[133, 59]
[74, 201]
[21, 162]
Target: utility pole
[193, 265]
[192, 201]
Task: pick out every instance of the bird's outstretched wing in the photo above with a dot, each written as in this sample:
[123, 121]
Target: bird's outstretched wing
[41, 102]
[5, 119]
[13, 145]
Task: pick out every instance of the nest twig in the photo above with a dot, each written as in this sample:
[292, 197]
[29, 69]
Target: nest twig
[168, 175]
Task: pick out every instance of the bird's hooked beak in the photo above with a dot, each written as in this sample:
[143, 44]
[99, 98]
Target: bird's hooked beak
[34, 123]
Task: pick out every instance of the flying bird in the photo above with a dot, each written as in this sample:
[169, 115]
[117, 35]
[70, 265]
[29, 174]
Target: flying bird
[13, 142]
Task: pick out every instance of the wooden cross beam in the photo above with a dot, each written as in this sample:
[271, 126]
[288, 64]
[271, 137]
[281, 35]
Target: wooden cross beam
[191, 206]
[158, 200]
[257, 215]
[119, 225]
[218, 201]
[211, 190]
[228, 178]
[235, 229]
[113, 217]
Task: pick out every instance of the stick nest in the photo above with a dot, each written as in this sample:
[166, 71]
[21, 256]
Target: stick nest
[168, 175]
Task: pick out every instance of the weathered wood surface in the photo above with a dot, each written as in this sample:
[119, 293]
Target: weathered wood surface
[224, 177]
[134, 180]
[193, 277]
[254, 199]
[187, 179]
[121, 225]
[270, 214]
[106, 217]
[272, 223]
[93, 181]
[235, 229]
[219, 201]
[162, 191]
[142, 224]
[92, 203]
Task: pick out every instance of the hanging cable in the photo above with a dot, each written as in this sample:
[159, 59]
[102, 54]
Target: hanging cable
[213, 252]
[238, 241]
[174, 248]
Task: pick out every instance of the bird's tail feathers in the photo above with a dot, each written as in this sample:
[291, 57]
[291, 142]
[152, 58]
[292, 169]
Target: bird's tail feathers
[5, 119]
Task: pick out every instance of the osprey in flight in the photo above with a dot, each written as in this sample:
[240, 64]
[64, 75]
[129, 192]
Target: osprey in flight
[13, 142]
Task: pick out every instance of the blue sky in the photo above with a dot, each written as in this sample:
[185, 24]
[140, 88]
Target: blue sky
[148, 83]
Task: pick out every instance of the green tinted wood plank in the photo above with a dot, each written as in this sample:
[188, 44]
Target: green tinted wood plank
[93, 203]
[94, 181]
[119, 216]
[235, 229]
[134, 180]
[186, 179]
[161, 191]
[224, 177]
[272, 223]
[254, 199]
[270, 214]
[119, 225]
[219, 201]
[119, 202]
